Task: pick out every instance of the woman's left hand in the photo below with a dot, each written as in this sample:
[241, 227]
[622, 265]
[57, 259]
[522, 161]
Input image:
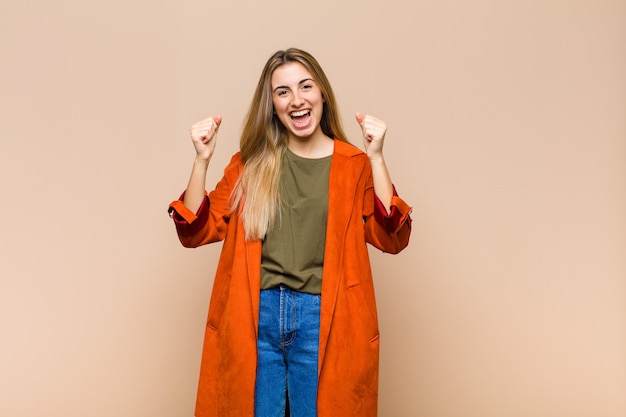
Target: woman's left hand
[373, 134]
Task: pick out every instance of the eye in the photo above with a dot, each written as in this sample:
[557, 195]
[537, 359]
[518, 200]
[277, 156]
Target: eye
[307, 86]
[281, 92]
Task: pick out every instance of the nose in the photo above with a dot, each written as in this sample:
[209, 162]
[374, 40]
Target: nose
[297, 100]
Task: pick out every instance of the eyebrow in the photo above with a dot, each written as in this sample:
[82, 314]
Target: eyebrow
[299, 83]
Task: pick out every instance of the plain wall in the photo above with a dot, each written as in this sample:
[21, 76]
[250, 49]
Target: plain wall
[507, 135]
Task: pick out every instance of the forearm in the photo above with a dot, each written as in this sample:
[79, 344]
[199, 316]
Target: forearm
[195, 194]
[382, 181]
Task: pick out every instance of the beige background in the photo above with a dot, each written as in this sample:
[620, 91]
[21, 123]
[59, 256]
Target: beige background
[507, 134]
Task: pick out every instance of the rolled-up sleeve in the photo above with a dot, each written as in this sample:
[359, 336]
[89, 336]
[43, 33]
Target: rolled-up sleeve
[210, 222]
[187, 222]
[397, 216]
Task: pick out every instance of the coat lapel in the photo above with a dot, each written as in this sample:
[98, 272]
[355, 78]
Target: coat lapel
[253, 260]
[345, 172]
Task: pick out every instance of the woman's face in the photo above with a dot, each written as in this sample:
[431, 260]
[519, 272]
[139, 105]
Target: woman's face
[297, 100]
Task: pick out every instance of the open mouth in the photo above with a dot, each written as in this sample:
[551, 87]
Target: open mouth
[301, 119]
[300, 114]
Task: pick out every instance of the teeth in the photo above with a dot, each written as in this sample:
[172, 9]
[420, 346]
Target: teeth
[299, 113]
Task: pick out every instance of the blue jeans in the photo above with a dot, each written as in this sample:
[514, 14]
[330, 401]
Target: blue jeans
[287, 346]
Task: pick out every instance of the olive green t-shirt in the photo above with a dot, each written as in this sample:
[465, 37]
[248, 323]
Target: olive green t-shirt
[293, 251]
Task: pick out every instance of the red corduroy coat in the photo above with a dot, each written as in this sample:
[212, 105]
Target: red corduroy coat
[349, 337]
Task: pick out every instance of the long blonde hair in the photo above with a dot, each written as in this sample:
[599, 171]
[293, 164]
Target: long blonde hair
[263, 142]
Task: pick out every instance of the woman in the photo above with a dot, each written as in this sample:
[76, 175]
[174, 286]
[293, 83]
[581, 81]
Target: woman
[292, 324]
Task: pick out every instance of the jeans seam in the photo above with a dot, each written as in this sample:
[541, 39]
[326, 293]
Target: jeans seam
[287, 337]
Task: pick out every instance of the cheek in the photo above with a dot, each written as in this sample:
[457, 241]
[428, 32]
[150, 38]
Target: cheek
[321, 102]
[278, 107]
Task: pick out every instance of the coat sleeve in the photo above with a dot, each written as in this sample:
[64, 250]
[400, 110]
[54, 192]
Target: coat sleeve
[388, 232]
[210, 222]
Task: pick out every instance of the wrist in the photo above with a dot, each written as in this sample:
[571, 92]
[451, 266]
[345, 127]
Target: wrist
[376, 159]
[199, 162]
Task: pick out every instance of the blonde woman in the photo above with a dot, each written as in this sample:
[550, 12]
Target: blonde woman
[292, 327]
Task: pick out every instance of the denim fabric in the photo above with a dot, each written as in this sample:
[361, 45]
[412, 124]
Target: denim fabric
[288, 346]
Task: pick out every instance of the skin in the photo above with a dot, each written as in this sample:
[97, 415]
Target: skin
[203, 137]
[293, 90]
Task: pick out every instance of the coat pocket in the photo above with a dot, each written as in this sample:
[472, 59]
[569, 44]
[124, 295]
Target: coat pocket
[363, 310]
[219, 299]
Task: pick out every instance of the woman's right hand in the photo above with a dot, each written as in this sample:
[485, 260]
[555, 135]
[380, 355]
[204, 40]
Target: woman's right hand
[203, 136]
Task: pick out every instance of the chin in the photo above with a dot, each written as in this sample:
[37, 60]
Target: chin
[302, 134]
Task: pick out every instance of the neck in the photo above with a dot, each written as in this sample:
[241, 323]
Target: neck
[317, 146]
